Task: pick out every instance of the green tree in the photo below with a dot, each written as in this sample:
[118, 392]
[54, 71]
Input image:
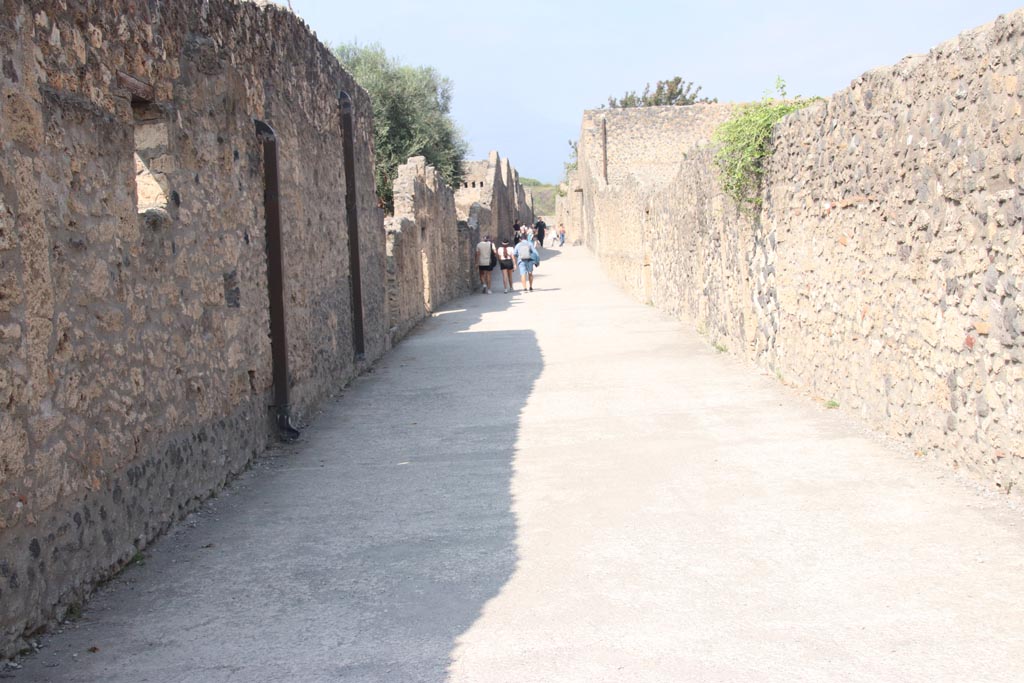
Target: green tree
[674, 92]
[411, 116]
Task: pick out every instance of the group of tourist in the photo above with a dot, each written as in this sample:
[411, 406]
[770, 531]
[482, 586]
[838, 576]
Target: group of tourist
[537, 232]
[521, 253]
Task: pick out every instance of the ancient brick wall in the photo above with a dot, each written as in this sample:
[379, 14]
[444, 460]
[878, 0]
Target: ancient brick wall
[898, 208]
[630, 219]
[428, 251]
[432, 237]
[135, 365]
[502, 200]
[647, 143]
[477, 183]
[404, 265]
[569, 208]
[884, 270]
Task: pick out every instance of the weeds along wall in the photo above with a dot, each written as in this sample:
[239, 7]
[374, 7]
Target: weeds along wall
[135, 362]
[885, 268]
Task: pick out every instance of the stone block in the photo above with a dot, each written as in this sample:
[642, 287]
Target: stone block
[7, 228]
[13, 447]
[22, 120]
[151, 137]
[10, 333]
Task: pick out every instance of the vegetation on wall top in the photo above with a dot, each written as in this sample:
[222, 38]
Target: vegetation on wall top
[745, 141]
[673, 92]
[573, 163]
[411, 116]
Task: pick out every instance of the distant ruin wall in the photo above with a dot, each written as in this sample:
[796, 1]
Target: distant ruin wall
[633, 219]
[135, 363]
[491, 198]
[569, 208]
[884, 271]
[429, 254]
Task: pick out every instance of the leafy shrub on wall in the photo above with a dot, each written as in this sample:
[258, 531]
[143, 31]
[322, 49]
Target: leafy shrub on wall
[744, 144]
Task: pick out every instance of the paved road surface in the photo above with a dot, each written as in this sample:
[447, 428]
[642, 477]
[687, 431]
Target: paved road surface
[568, 486]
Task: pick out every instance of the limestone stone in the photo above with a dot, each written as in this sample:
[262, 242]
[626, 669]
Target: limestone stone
[23, 120]
[151, 137]
[6, 227]
[15, 439]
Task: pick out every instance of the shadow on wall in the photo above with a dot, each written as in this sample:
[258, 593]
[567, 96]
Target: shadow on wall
[362, 554]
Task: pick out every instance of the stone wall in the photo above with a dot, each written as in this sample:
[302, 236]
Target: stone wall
[477, 183]
[630, 219]
[897, 206]
[491, 198]
[429, 251]
[135, 364]
[884, 269]
[569, 208]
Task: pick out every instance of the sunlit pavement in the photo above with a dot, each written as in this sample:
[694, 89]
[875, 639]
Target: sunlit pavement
[567, 485]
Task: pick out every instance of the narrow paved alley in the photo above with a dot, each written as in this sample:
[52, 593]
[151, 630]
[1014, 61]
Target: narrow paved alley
[568, 485]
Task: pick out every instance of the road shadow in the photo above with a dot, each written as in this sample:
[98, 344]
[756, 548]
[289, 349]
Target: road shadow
[359, 554]
[548, 253]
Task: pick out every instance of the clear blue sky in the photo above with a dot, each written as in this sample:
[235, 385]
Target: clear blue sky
[525, 71]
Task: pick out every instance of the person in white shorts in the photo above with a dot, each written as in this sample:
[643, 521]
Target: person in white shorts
[528, 259]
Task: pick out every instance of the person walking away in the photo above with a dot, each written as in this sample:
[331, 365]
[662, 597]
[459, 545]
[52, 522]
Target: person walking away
[486, 257]
[540, 228]
[528, 259]
[561, 234]
[506, 259]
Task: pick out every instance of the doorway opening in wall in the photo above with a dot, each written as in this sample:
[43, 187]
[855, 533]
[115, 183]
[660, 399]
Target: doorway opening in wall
[152, 161]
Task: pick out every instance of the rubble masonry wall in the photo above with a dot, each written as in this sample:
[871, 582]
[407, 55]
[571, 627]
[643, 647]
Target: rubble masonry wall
[135, 362]
[885, 269]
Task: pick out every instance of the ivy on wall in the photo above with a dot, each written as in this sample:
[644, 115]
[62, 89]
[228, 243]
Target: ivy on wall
[745, 144]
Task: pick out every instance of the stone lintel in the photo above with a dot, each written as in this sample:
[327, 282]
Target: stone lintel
[139, 89]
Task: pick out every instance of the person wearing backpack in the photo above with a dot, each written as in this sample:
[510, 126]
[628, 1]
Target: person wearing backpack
[486, 258]
[506, 259]
[528, 259]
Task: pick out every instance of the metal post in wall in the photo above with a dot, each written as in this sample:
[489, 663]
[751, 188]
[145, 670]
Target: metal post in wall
[352, 218]
[275, 279]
